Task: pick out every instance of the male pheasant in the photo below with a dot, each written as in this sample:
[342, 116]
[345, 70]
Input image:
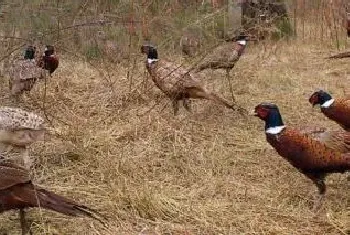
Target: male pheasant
[177, 83]
[312, 158]
[24, 73]
[49, 61]
[18, 192]
[337, 110]
[338, 140]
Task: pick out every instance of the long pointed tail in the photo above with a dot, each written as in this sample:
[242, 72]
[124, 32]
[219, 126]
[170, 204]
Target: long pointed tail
[217, 99]
[198, 69]
[203, 65]
[52, 201]
[340, 55]
[201, 93]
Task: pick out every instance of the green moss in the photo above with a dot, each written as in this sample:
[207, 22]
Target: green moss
[92, 52]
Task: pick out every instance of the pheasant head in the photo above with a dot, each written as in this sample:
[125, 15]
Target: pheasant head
[150, 51]
[49, 61]
[270, 113]
[322, 98]
[29, 53]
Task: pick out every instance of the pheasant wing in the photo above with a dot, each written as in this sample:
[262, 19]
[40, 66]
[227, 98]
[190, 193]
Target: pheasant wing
[11, 175]
[24, 69]
[337, 140]
[17, 119]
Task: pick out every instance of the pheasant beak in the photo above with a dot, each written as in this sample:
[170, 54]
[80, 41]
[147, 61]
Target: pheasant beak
[313, 103]
[252, 113]
[313, 100]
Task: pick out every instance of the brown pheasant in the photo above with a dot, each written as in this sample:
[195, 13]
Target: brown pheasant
[311, 157]
[337, 110]
[338, 140]
[18, 192]
[49, 61]
[177, 83]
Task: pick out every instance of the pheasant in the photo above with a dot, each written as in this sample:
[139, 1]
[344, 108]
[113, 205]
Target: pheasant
[340, 55]
[177, 83]
[338, 140]
[224, 56]
[23, 73]
[49, 61]
[312, 158]
[337, 110]
[18, 192]
[19, 128]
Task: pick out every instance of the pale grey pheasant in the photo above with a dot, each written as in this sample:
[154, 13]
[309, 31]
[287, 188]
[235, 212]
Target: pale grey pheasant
[19, 129]
[23, 73]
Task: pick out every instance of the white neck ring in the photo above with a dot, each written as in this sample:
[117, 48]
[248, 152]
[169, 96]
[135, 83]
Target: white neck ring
[327, 103]
[275, 130]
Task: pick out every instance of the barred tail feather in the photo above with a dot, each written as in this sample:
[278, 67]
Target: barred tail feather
[52, 201]
[340, 55]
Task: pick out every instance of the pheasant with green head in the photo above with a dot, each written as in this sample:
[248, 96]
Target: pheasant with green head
[337, 110]
[312, 158]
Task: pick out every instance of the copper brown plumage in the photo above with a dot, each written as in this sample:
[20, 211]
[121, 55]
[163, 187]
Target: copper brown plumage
[18, 192]
[336, 140]
[312, 158]
[337, 110]
[177, 83]
[49, 61]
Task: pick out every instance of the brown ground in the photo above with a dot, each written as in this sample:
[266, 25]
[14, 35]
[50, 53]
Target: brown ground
[206, 172]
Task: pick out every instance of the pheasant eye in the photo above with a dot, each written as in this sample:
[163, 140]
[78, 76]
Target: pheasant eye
[314, 99]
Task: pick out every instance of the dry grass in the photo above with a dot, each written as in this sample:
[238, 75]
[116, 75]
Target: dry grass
[206, 172]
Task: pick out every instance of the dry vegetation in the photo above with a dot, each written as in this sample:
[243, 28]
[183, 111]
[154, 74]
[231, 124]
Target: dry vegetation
[119, 149]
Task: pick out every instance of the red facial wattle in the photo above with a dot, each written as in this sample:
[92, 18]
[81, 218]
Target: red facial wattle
[313, 99]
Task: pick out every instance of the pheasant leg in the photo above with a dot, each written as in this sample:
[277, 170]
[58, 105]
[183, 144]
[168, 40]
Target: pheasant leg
[27, 161]
[187, 104]
[23, 222]
[175, 106]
